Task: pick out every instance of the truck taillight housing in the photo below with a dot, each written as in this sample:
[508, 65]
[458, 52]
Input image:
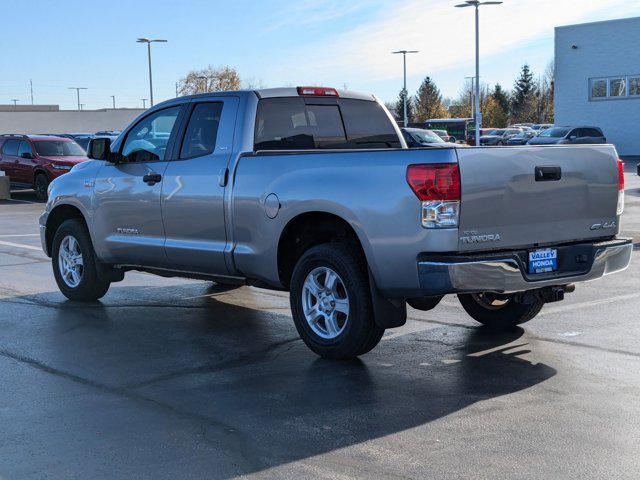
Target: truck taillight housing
[620, 207]
[318, 92]
[437, 186]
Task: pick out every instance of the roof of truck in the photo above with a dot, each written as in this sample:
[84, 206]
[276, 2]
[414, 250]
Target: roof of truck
[277, 92]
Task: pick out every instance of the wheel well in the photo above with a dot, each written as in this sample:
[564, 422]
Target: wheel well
[306, 231]
[37, 172]
[57, 216]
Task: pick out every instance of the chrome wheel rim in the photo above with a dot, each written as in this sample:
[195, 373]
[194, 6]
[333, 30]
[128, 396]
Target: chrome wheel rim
[325, 303]
[491, 301]
[70, 261]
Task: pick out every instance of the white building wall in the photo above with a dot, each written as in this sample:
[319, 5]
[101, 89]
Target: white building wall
[604, 49]
[66, 121]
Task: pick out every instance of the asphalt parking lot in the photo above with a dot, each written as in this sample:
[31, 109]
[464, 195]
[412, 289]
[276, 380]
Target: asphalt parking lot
[169, 378]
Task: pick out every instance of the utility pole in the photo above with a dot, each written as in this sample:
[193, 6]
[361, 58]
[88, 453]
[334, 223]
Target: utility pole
[113, 97]
[478, 114]
[31, 86]
[77, 89]
[15, 103]
[81, 106]
[149, 42]
[144, 103]
[404, 88]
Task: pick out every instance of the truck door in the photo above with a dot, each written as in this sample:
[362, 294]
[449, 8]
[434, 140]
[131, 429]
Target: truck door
[127, 222]
[25, 168]
[194, 185]
[9, 162]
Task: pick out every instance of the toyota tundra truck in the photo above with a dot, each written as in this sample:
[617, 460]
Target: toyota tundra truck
[312, 190]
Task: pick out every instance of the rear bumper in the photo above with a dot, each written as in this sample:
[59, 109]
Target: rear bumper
[506, 272]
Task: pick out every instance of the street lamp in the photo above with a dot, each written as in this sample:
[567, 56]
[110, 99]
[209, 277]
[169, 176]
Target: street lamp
[149, 42]
[113, 97]
[77, 89]
[404, 89]
[477, 4]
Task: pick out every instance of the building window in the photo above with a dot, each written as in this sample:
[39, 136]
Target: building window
[618, 87]
[614, 88]
[598, 88]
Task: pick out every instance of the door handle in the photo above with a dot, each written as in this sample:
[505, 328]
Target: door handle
[548, 173]
[152, 178]
[223, 177]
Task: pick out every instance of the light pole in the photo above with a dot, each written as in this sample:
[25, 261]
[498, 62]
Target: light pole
[404, 88]
[77, 89]
[149, 42]
[144, 103]
[478, 115]
[113, 97]
[471, 94]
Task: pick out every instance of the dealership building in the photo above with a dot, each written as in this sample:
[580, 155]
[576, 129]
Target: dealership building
[597, 79]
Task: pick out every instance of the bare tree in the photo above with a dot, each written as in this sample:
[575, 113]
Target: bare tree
[209, 79]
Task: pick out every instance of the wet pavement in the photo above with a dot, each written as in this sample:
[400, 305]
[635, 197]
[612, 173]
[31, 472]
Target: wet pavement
[171, 378]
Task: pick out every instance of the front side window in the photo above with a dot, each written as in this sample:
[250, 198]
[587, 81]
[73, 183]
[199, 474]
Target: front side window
[24, 147]
[598, 88]
[617, 87]
[634, 86]
[10, 147]
[202, 130]
[59, 148]
[147, 141]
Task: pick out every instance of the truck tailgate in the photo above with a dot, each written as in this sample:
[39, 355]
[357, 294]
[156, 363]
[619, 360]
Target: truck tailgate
[535, 196]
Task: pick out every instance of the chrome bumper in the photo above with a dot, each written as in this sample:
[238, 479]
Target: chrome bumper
[43, 239]
[505, 275]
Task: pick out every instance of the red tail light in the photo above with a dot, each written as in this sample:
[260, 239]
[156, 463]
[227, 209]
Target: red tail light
[620, 175]
[434, 181]
[318, 92]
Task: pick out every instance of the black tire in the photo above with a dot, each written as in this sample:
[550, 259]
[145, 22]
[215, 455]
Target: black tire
[505, 312]
[360, 333]
[90, 287]
[424, 303]
[40, 185]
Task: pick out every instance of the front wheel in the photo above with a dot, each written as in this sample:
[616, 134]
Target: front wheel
[74, 263]
[501, 311]
[41, 185]
[331, 302]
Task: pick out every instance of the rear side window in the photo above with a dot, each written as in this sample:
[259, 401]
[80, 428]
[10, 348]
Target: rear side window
[202, 130]
[293, 124]
[10, 147]
[591, 132]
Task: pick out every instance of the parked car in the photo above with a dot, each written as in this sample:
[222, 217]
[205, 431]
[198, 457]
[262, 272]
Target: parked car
[499, 136]
[419, 137]
[311, 190]
[471, 135]
[541, 127]
[522, 138]
[108, 133]
[33, 161]
[444, 136]
[569, 135]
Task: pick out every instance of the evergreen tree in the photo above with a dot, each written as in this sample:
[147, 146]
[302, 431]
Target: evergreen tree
[398, 108]
[502, 97]
[428, 102]
[523, 100]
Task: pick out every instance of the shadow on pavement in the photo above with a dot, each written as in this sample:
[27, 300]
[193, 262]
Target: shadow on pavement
[257, 395]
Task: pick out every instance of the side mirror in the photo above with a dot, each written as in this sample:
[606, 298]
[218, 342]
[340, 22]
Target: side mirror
[27, 155]
[99, 148]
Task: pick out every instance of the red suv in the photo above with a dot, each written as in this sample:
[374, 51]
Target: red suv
[33, 161]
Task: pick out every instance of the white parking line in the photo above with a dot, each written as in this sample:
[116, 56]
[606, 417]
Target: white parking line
[21, 245]
[19, 201]
[21, 235]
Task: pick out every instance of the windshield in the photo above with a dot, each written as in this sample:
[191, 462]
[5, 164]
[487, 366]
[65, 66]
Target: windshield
[555, 132]
[59, 148]
[497, 132]
[426, 136]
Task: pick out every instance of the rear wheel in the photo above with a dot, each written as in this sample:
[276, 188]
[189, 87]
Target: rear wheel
[74, 263]
[40, 185]
[331, 302]
[501, 311]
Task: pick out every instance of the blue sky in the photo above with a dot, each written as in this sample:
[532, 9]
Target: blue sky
[274, 43]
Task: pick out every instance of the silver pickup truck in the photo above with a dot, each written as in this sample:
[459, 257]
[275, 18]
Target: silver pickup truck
[313, 191]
